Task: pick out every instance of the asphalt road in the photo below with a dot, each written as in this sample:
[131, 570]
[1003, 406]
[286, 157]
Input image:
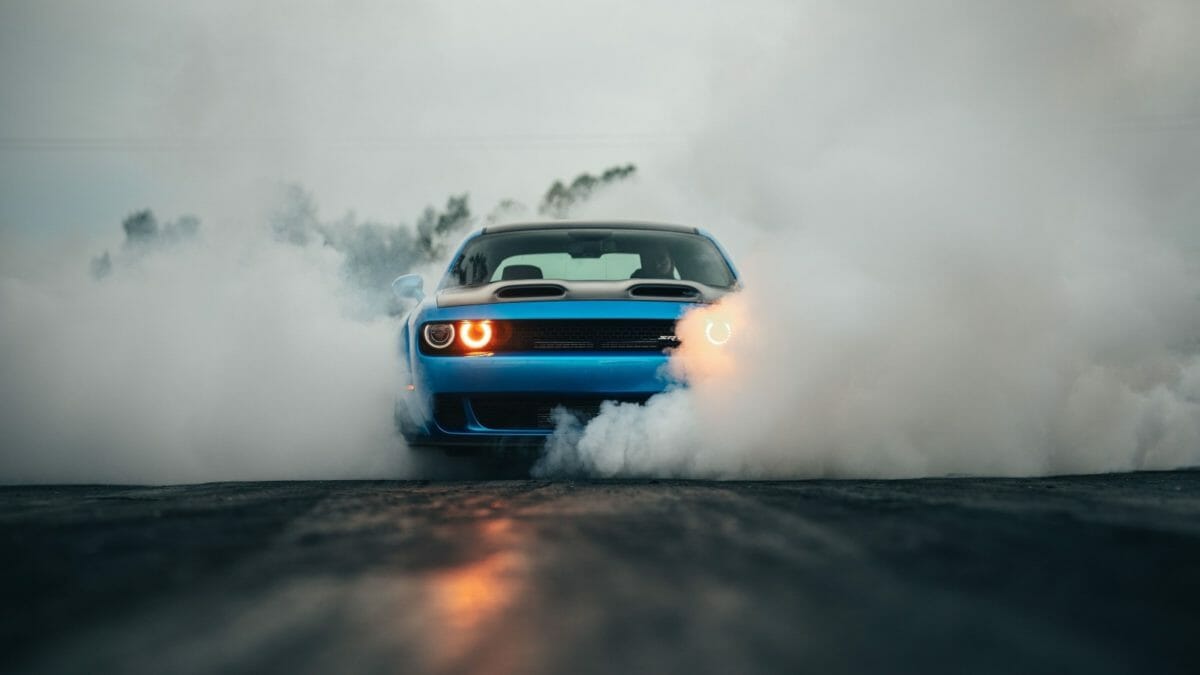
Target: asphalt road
[1092, 574]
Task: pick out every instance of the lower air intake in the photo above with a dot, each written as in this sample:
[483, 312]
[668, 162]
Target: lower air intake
[449, 413]
[537, 412]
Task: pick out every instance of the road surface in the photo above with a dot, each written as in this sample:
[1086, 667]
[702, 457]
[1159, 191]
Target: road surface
[1085, 574]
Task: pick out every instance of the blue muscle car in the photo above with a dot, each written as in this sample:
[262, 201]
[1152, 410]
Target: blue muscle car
[530, 317]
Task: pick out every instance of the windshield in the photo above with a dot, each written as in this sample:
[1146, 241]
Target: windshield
[589, 255]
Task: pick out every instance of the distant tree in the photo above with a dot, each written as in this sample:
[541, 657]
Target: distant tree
[142, 230]
[295, 218]
[142, 236]
[557, 202]
[560, 199]
[101, 266]
[373, 253]
[184, 228]
[507, 209]
[433, 228]
[141, 227]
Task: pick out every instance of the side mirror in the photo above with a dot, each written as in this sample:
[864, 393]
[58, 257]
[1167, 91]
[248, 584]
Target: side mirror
[409, 287]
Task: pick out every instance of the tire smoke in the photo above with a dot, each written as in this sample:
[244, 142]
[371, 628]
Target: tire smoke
[231, 356]
[968, 240]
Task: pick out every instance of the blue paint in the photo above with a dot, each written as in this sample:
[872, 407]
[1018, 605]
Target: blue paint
[603, 374]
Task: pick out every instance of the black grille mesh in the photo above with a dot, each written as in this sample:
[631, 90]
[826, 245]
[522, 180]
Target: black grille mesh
[537, 412]
[559, 335]
[622, 335]
[449, 413]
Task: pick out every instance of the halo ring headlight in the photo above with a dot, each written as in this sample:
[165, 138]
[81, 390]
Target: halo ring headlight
[718, 332]
[475, 334]
[439, 335]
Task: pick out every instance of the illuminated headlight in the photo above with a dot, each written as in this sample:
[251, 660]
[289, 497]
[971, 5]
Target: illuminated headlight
[439, 335]
[718, 332]
[475, 335]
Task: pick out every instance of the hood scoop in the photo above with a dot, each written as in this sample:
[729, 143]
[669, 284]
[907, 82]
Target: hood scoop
[531, 291]
[554, 290]
[672, 291]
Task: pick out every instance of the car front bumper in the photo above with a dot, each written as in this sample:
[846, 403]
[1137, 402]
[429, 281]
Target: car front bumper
[478, 400]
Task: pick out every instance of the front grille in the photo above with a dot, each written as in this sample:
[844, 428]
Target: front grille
[595, 334]
[568, 335]
[537, 412]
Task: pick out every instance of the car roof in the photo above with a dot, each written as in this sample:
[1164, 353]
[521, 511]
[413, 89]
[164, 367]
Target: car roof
[589, 225]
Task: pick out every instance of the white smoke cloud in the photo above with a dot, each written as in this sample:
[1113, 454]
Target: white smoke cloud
[967, 234]
[229, 357]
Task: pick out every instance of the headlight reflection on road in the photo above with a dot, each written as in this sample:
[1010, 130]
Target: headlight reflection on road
[470, 607]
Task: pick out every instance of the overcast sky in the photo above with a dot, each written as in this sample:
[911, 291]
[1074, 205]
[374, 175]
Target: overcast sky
[384, 107]
[377, 106]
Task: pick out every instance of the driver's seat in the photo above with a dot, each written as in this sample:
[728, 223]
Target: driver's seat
[519, 272]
